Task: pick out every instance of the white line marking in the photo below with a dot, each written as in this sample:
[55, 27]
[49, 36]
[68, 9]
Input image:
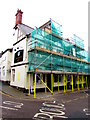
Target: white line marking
[59, 112]
[86, 111]
[52, 105]
[37, 115]
[75, 99]
[51, 110]
[68, 101]
[8, 108]
[60, 116]
[15, 104]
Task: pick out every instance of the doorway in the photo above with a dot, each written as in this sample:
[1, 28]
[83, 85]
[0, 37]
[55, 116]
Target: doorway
[49, 80]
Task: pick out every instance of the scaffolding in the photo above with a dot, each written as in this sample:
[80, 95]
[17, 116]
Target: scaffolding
[61, 54]
[50, 53]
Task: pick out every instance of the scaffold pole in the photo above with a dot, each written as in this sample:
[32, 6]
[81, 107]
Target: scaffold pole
[78, 82]
[72, 82]
[35, 86]
[52, 83]
[82, 82]
[86, 83]
[29, 84]
[66, 82]
[45, 83]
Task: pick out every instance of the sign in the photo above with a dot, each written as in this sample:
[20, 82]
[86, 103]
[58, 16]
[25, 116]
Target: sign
[18, 56]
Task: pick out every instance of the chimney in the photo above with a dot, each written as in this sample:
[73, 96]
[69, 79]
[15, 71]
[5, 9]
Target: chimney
[19, 17]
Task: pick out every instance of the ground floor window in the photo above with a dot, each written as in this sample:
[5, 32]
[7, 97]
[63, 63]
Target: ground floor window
[3, 69]
[13, 75]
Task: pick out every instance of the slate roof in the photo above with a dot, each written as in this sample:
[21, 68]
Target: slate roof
[24, 28]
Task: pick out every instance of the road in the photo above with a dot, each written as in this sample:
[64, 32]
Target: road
[68, 105]
[16, 108]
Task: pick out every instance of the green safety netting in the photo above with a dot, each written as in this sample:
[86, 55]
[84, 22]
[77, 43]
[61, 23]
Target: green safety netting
[47, 61]
[49, 41]
[55, 28]
[78, 41]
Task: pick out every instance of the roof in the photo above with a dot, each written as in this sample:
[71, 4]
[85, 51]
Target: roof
[0, 54]
[9, 49]
[45, 24]
[24, 28]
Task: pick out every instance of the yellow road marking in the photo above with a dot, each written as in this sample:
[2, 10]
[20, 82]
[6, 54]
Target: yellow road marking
[5, 94]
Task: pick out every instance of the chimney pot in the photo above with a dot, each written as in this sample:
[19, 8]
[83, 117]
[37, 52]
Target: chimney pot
[19, 17]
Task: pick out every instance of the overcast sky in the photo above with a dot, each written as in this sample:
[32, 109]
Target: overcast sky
[71, 14]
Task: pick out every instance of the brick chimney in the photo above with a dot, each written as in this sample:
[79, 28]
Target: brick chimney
[19, 17]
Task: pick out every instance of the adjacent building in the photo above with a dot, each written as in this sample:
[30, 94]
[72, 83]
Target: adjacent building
[5, 65]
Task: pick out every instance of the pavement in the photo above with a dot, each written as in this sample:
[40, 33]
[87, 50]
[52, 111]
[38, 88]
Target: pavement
[16, 93]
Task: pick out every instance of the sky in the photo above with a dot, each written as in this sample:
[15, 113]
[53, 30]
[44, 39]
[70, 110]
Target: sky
[71, 14]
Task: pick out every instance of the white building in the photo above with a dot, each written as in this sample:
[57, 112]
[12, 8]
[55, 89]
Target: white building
[19, 66]
[5, 65]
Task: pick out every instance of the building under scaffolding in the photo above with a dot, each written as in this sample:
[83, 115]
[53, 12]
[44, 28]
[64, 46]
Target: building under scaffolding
[54, 60]
[43, 59]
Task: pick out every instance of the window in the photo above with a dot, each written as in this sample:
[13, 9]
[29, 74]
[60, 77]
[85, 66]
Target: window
[3, 70]
[13, 75]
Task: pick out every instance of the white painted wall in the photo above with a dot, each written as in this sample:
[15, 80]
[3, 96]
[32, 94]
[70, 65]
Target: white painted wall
[6, 63]
[20, 76]
[20, 46]
[21, 68]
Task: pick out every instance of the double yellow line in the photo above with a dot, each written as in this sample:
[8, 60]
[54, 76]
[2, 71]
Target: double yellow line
[5, 94]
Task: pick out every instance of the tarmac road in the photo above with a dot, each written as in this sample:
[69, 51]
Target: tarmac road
[16, 108]
[57, 106]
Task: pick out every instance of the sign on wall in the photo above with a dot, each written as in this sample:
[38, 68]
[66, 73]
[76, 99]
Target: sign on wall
[18, 56]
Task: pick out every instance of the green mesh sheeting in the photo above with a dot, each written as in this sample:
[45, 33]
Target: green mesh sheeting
[48, 41]
[78, 41]
[55, 28]
[46, 61]
[53, 42]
